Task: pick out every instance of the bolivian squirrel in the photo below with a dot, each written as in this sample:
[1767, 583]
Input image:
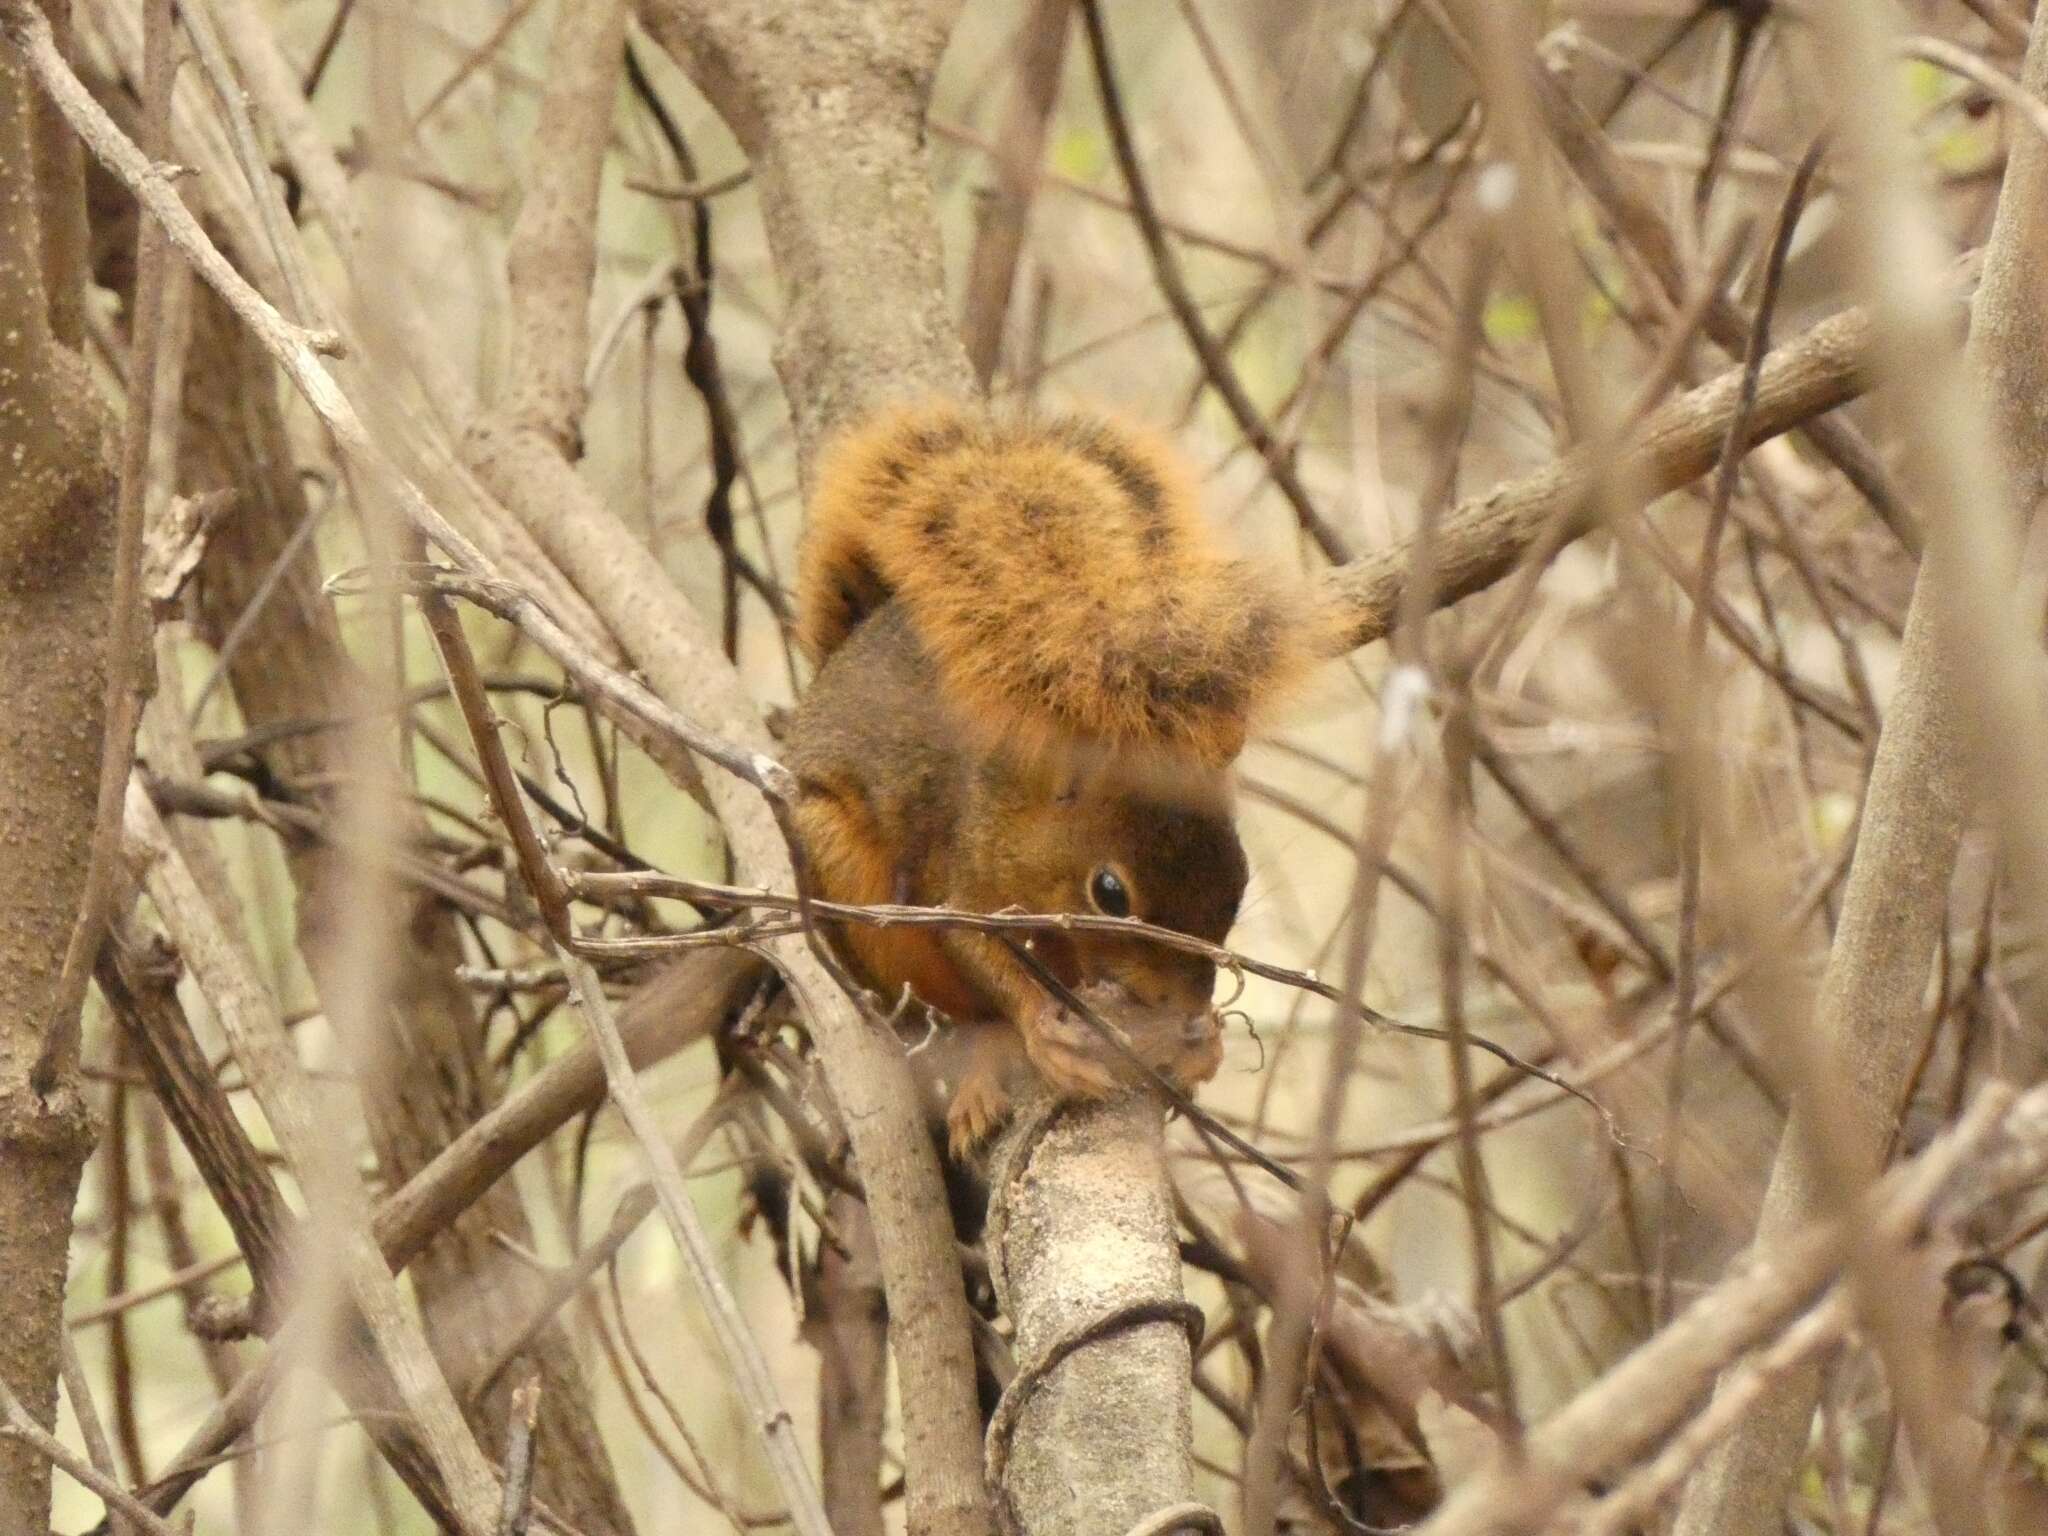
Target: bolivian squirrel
[1036, 663]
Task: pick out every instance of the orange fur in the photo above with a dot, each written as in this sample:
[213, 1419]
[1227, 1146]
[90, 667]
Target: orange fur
[1061, 575]
[851, 861]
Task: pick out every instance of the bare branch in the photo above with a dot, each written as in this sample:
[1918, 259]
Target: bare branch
[320, 1163]
[829, 103]
[1099, 1353]
[1004, 214]
[743, 1358]
[1960, 647]
[56, 541]
[553, 253]
[1484, 539]
[2003, 1140]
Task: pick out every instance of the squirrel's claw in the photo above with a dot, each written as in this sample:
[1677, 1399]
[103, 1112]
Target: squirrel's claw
[978, 1108]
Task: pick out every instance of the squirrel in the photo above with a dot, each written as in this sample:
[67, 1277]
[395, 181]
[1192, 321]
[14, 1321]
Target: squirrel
[1035, 664]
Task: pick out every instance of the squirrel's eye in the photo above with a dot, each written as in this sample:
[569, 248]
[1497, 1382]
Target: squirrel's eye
[1107, 890]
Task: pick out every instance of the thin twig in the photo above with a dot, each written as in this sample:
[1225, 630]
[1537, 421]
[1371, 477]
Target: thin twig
[520, 1444]
[887, 915]
[21, 1426]
[2001, 1139]
[1166, 267]
[201, 27]
[769, 1420]
[90, 1427]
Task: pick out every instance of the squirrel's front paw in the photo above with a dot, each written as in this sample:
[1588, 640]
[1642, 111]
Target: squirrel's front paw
[1070, 1055]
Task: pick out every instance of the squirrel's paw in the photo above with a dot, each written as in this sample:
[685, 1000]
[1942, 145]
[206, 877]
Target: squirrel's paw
[978, 1108]
[1070, 1055]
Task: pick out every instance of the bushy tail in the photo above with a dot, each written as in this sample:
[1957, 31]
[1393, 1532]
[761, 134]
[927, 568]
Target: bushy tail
[1060, 574]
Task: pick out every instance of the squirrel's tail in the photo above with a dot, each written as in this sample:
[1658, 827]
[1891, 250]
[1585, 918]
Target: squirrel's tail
[1061, 576]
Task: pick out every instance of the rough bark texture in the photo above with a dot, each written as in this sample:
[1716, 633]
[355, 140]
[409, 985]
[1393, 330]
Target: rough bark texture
[829, 103]
[1871, 1004]
[56, 575]
[428, 1082]
[1081, 1245]
[60, 204]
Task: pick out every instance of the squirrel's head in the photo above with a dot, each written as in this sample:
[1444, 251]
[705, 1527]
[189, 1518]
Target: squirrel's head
[1160, 848]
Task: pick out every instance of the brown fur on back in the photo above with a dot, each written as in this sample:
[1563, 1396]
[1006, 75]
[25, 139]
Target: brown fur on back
[1059, 573]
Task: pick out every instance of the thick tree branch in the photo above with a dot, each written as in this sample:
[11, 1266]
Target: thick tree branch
[1094, 1432]
[127, 635]
[829, 101]
[1484, 539]
[553, 253]
[56, 579]
[60, 203]
[1004, 213]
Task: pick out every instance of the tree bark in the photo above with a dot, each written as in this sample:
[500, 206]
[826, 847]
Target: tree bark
[56, 579]
[846, 1319]
[1003, 216]
[1480, 541]
[1095, 1432]
[829, 103]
